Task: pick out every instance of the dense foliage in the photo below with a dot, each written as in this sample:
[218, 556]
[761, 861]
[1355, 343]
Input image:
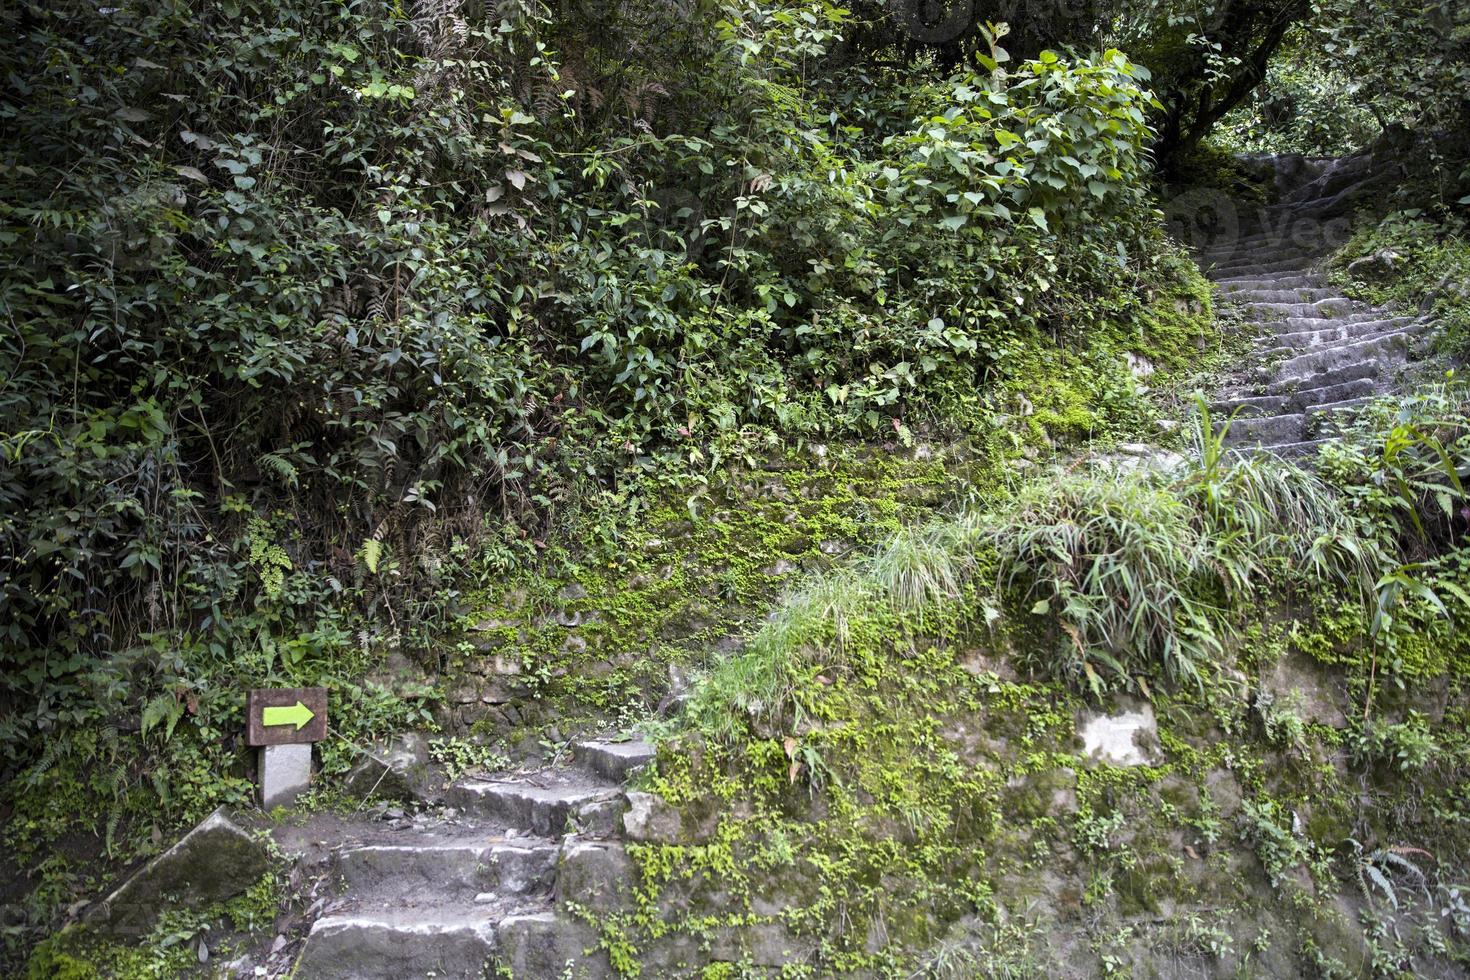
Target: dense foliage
[306, 304]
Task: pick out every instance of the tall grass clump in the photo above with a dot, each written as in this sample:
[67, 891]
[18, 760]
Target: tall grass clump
[1402, 464]
[756, 685]
[1266, 518]
[1116, 568]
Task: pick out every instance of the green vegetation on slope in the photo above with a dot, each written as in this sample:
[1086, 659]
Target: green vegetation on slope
[873, 765]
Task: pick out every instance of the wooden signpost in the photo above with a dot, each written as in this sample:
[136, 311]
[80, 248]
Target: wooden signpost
[286, 716]
[282, 723]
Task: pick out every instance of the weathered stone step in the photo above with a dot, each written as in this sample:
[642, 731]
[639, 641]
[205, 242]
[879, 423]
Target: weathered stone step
[1324, 331]
[597, 875]
[515, 866]
[1291, 344]
[1349, 405]
[1303, 295]
[1249, 406]
[543, 810]
[1299, 450]
[1269, 430]
[1296, 324]
[1286, 280]
[550, 945]
[1233, 270]
[1228, 265]
[391, 944]
[1272, 238]
[613, 761]
[1391, 347]
[1264, 249]
[1321, 309]
[1306, 399]
[1366, 368]
[1298, 393]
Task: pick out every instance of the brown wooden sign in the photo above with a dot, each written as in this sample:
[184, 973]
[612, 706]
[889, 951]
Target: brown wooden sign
[286, 715]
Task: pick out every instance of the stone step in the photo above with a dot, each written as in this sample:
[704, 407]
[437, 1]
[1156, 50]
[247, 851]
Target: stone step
[1291, 344]
[1306, 400]
[1271, 240]
[597, 875]
[1299, 450]
[551, 945]
[1302, 400]
[1267, 430]
[1327, 377]
[1234, 270]
[1392, 347]
[457, 942]
[1295, 396]
[1249, 406]
[1349, 405]
[515, 866]
[1281, 295]
[1263, 250]
[1305, 332]
[1221, 258]
[1296, 324]
[1322, 309]
[1309, 398]
[1289, 280]
[544, 810]
[613, 761]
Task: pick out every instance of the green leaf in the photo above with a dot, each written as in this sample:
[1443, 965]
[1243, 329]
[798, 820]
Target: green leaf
[372, 553]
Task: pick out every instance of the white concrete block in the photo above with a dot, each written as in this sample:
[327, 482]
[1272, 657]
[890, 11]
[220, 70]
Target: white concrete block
[285, 773]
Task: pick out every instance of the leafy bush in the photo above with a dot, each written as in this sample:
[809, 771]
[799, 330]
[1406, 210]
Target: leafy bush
[1309, 103]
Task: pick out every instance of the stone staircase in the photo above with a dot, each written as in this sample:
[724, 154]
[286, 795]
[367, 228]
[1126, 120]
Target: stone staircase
[1319, 355]
[487, 883]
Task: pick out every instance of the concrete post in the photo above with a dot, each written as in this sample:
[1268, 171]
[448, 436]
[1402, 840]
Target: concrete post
[285, 773]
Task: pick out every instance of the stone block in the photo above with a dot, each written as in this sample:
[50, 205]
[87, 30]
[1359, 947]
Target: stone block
[398, 771]
[597, 875]
[1298, 682]
[1130, 738]
[215, 861]
[651, 819]
[546, 944]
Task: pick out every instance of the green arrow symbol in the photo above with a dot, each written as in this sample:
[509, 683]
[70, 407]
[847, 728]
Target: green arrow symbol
[297, 714]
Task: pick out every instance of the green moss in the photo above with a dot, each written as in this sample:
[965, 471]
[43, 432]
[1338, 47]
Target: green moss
[170, 949]
[49, 961]
[595, 635]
